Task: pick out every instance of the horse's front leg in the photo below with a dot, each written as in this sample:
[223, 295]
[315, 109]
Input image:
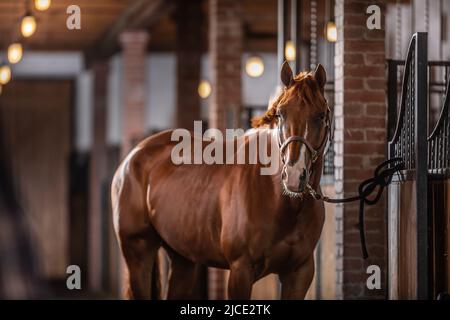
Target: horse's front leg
[241, 280]
[295, 284]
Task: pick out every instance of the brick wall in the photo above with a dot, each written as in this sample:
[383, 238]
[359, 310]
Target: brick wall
[189, 21]
[225, 52]
[134, 52]
[360, 137]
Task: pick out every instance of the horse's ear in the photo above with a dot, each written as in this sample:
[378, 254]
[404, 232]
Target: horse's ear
[320, 75]
[286, 74]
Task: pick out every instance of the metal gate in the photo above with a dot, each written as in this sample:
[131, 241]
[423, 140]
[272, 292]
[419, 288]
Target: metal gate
[417, 250]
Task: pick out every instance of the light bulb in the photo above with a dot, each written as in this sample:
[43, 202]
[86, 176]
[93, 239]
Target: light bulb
[254, 66]
[28, 26]
[5, 74]
[204, 89]
[42, 5]
[289, 51]
[15, 52]
[331, 31]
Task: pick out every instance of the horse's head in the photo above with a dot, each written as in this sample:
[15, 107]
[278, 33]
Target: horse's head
[301, 115]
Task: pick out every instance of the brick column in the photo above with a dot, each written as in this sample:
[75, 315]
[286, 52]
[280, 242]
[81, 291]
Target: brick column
[189, 21]
[360, 143]
[97, 176]
[225, 53]
[134, 45]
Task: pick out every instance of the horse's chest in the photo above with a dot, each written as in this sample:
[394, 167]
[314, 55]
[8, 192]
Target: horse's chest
[290, 251]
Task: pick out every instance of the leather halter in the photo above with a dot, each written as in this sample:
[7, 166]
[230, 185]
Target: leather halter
[315, 153]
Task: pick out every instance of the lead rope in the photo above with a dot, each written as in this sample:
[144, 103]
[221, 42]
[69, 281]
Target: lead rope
[382, 177]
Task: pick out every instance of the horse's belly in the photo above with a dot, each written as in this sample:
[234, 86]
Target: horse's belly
[188, 223]
[190, 237]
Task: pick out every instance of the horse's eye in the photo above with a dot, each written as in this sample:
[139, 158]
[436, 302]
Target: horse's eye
[279, 115]
[321, 116]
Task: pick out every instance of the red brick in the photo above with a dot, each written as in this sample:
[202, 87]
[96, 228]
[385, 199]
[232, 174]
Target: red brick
[375, 58]
[363, 148]
[362, 46]
[377, 84]
[351, 288]
[353, 84]
[355, 238]
[374, 34]
[134, 44]
[354, 20]
[375, 161]
[354, 109]
[359, 174]
[355, 33]
[353, 135]
[354, 58]
[353, 263]
[376, 135]
[376, 109]
[351, 187]
[357, 8]
[364, 122]
[353, 161]
[364, 71]
[365, 96]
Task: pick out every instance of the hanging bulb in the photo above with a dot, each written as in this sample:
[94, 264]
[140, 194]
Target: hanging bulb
[254, 66]
[28, 25]
[331, 31]
[204, 89]
[15, 53]
[5, 74]
[42, 5]
[289, 51]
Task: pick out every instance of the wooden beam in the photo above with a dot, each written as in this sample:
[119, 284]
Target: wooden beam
[141, 14]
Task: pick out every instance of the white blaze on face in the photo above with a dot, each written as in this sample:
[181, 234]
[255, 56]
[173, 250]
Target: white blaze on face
[296, 175]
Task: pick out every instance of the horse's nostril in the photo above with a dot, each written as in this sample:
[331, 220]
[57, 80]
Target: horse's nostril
[303, 176]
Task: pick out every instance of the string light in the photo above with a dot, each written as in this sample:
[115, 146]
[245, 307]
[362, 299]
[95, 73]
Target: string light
[204, 89]
[15, 53]
[28, 25]
[289, 51]
[254, 66]
[5, 74]
[42, 5]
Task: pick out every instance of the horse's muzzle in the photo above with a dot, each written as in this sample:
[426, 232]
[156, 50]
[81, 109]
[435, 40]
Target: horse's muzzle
[294, 179]
[303, 180]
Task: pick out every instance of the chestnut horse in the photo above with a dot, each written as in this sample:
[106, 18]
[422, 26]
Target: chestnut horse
[229, 216]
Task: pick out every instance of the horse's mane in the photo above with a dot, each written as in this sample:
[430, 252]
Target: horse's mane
[304, 87]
